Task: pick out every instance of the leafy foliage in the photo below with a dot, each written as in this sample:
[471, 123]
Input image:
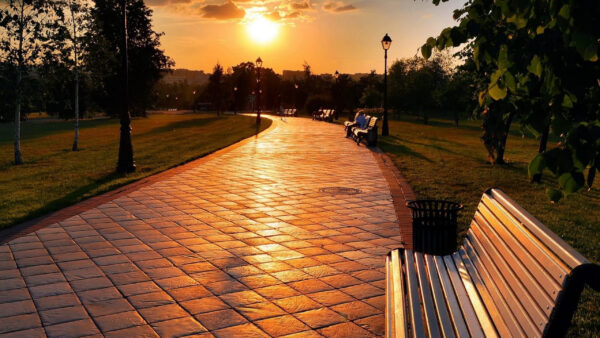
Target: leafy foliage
[540, 59]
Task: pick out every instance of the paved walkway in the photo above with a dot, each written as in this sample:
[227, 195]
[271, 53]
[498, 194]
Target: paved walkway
[249, 243]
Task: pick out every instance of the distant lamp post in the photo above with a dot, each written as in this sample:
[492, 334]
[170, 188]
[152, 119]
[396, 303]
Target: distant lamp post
[235, 100]
[295, 90]
[336, 76]
[125, 163]
[386, 43]
[259, 64]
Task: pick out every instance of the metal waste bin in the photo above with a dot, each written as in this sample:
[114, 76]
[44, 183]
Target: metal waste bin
[434, 226]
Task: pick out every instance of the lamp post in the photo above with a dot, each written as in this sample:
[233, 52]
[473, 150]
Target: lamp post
[259, 63]
[125, 164]
[336, 76]
[386, 42]
[295, 90]
[235, 100]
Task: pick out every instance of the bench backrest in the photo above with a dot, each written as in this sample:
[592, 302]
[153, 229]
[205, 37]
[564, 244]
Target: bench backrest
[372, 122]
[522, 271]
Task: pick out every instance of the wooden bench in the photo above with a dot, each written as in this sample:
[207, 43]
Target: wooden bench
[369, 132]
[324, 115]
[289, 112]
[350, 124]
[511, 277]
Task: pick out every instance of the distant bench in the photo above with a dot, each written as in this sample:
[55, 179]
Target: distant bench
[289, 112]
[512, 276]
[324, 115]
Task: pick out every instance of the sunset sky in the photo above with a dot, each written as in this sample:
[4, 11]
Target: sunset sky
[328, 35]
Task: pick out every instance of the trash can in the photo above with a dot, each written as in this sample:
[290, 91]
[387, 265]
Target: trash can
[434, 226]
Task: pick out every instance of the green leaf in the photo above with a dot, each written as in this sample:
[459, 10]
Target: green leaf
[567, 103]
[518, 21]
[554, 195]
[426, 51]
[503, 62]
[571, 182]
[565, 12]
[431, 42]
[586, 46]
[509, 80]
[537, 165]
[535, 67]
[497, 92]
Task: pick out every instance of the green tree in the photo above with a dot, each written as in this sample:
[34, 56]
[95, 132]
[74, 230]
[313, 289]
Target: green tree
[215, 88]
[103, 58]
[540, 61]
[23, 28]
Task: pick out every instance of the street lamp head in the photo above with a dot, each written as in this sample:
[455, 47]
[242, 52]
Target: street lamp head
[259, 62]
[235, 89]
[336, 75]
[296, 85]
[386, 42]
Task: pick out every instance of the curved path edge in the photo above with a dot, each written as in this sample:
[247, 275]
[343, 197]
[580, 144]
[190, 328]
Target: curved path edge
[401, 192]
[22, 229]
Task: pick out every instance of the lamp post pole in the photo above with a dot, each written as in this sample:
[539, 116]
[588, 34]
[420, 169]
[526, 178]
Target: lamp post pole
[235, 100]
[386, 42]
[125, 163]
[336, 75]
[258, 90]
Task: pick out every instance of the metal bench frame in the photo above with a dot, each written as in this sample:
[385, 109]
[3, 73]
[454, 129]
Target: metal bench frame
[359, 134]
[512, 276]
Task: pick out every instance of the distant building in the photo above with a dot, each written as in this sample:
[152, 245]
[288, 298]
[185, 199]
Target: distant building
[193, 77]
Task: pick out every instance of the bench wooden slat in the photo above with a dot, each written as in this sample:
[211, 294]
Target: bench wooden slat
[466, 307]
[414, 302]
[396, 296]
[499, 282]
[460, 326]
[430, 312]
[484, 319]
[542, 285]
[571, 257]
[522, 293]
[546, 260]
[508, 319]
[443, 317]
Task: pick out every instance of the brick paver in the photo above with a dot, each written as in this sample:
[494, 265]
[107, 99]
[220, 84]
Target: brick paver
[244, 244]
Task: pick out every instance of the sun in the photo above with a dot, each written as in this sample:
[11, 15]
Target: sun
[262, 30]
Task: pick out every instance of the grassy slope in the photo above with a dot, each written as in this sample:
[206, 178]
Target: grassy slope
[54, 177]
[444, 162]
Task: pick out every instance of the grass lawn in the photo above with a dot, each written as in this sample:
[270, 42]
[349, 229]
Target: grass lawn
[441, 161]
[54, 177]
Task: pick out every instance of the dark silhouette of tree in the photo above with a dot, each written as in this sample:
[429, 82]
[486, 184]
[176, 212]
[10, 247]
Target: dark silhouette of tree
[215, 88]
[103, 60]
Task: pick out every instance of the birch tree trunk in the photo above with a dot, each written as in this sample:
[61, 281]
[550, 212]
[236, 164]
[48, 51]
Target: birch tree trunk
[17, 141]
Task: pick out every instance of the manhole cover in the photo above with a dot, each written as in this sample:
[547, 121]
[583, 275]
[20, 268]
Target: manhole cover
[339, 191]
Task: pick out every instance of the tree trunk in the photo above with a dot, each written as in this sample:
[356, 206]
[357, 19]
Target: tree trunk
[502, 143]
[76, 59]
[76, 138]
[537, 178]
[17, 140]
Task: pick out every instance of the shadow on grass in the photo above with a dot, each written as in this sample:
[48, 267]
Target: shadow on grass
[37, 129]
[399, 149]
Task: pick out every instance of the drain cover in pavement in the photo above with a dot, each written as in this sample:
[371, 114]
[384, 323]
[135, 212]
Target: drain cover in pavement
[339, 191]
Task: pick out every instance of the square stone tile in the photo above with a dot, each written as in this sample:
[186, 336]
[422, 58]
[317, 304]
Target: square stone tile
[94, 296]
[63, 315]
[260, 311]
[374, 324]
[320, 318]
[355, 310]
[244, 330]
[227, 286]
[202, 305]
[119, 321]
[282, 325]
[50, 289]
[259, 281]
[242, 298]
[340, 281]
[310, 286]
[138, 288]
[297, 304]
[277, 291]
[20, 322]
[108, 307]
[136, 331]
[178, 327]
[332, 297]
[220, 319]
[163, 312]
[150, 300]
[274, 267]
[189, 293]
[79, 328]
[291, 275]
[363, 291]
[344, 330]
